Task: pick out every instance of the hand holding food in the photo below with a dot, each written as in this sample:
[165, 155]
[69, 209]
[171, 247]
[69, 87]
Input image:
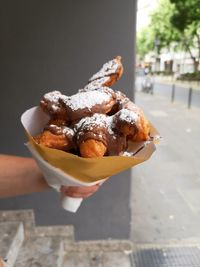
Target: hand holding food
[79, 140]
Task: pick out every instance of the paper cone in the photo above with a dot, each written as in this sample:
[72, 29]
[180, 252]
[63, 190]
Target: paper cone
[56, 177]
[62, 168]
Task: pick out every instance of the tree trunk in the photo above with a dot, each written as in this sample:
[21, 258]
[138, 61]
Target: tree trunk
[196, 64]
[198, 47]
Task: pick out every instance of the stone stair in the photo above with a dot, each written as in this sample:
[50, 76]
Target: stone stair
[11, 239]
[41, 251]
[109, 253]
[24, 244]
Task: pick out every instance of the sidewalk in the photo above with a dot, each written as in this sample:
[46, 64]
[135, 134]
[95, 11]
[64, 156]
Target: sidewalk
[165, 193]
[170, 80]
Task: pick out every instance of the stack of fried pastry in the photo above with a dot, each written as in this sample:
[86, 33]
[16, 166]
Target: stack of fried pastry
[96, 121]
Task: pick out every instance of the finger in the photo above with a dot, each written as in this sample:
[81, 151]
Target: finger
[79, 189]
[82, 191]
[78, 195]
[75, 191]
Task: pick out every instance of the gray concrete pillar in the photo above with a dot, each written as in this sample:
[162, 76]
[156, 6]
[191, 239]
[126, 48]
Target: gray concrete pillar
[47, 45]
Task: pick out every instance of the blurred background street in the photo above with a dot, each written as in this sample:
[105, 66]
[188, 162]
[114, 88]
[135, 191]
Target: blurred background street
[166, 189]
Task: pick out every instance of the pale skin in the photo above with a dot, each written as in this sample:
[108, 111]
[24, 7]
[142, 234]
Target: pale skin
[20, 175]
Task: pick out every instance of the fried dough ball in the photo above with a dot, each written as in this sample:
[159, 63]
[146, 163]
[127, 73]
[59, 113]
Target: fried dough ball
[143, 125]
[91, 135]
[133, 124]
[51, 140]
[101, 82]
[143, 133]
[86, 103]
[58, 137]
[92, 148]
[114, 77]
[51, 105]
[120, 97]
[112, 69]
[95, 135]
[57, 122]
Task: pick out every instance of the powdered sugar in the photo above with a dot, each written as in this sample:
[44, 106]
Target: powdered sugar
[107, 69]
[89, 123]
[55, 107]
[87, 99]
[95, 84]
[110, 125]
[52, 100]
[53, 96]
[127, 154]
[68, 131]
[61, 130]
[128, 115]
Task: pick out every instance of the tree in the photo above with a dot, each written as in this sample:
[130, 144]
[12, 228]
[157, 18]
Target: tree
[174, 21]
[161, 25]
[145, 42]
[186, 19]
[160, 33]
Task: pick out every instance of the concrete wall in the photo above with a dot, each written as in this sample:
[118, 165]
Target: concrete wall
[47, 45]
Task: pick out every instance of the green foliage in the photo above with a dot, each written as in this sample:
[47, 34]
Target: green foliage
[159, 33]
[145, 42]
[173, 22]
[161, 24]
[186, 19]
[195, 76]
[187, 13]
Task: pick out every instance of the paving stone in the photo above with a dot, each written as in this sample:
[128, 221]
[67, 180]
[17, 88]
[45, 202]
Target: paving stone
[101, 245]
[41, 252]
[96, 259]
[64, 231]
[25, 216]
[106, 253]
[76, 259]
[11, 239]
[116, 259]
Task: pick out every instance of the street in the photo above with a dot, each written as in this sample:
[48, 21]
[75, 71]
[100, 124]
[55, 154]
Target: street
[166, 189]
[181, 93]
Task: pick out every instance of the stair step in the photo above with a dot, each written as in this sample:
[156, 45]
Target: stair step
[41, 251]
[64, 231]
[11, 239]
[25, 216]
[108, 253]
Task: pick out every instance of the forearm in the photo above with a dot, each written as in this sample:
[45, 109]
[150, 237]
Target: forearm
[20, 176]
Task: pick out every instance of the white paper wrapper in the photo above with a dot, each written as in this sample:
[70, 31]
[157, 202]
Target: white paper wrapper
[56, 177]
[73, 170]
